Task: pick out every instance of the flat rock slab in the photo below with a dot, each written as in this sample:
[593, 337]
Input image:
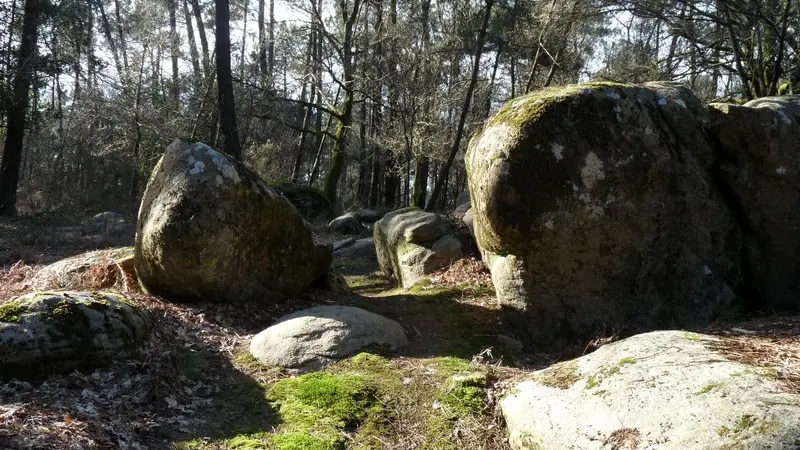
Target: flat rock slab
[104, 267]
[662, 390]
[45, 333]
[313, 338]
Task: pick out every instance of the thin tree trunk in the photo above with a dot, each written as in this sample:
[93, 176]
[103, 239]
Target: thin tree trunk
[201, 30]
[437, 189]
[109, 37]
[18, 108]
[271, 51]
[137, 106]
[243, 61]
[322, 137]
[422, 161]
[391, 179]
[262, 44]
[298, 160]
[192, 47]
[174, 90]
[227, 108]
[346, 118]
[122, 46]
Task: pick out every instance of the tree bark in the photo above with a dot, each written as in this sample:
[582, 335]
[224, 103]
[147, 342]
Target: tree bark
[174, 89]
[298, 160]
[227, 108]
[437, 189]
[18, 108]
[271, 51]
[193, 54]
[349, 19]
[262, 44]
[201, 30]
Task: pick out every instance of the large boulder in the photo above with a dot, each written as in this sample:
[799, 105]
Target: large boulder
[210, 230]
[98, 269]
[593, 211]
[669, 390]
[760, 166]
[109, 223]
[411, 243]
[315, 337]
[309, 201]
[348, 224]
[46, 333]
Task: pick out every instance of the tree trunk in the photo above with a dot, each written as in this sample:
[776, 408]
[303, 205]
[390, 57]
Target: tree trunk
[201, 30]
[242, 63]
[346, 117]
[271, 51]
[122, 46]
[227, 108]
[262, 44]
[437, 189]
[391, 179]
[174, 90]
[109, 37]
[298, 160]
[18, 108]
[192, 48]
[421, 159]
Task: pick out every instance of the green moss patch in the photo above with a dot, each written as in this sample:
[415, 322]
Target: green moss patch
[708, 388]
[317, 407]
[11, 312]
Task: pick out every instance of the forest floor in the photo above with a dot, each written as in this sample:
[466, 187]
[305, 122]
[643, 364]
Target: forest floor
[193, 385]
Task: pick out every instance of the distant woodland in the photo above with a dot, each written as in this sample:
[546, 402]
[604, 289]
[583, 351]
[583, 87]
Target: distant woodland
[370, 101]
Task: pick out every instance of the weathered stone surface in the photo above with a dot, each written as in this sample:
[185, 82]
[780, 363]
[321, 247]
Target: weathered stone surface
[109, 223]
[469, 221]
[310, 202]
[370, 215]
[361, 250]
[463, 202]
[315, 337]
[666, 390]
[348, 224]
[103, 267]
[411, 243]
[210, 230]
[463, 198]
[592, 209]
[45, 333]
[760, 165]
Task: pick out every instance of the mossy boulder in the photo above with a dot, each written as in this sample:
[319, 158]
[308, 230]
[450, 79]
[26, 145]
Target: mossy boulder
[45, 333]
[593, 211]
[310, 202]
[664, 389]
[411, 243]
[211, 230]
[760, 166]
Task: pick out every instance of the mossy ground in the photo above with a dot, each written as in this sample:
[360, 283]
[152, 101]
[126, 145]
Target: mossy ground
[430, 396]
[364, 402]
